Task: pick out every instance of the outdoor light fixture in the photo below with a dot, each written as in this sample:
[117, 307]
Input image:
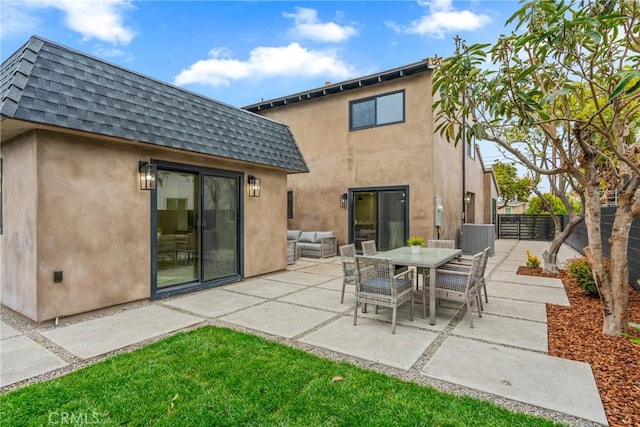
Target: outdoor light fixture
[148, 175]
[343, 200]
[254, 186]
[467, 198]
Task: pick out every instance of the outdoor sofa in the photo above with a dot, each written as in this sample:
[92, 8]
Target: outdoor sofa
[313, 244]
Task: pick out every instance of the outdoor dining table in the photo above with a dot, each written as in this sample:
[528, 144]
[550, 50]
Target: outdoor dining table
[430, 258]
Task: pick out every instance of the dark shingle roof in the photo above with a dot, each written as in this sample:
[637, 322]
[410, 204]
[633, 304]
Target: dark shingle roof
[50, 84]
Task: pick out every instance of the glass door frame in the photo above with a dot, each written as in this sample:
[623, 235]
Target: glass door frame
[351, 208]
[197, 284]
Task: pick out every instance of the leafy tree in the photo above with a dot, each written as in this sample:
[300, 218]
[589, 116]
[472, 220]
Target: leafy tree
[569, 74]
[510, 186]
[537, 205]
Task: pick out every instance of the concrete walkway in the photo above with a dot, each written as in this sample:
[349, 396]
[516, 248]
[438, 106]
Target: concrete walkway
[503, 359]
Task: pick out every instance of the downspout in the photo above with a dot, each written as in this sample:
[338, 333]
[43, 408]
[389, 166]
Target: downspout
[464, 148]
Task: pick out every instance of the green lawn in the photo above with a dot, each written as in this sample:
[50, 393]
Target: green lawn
[215, 376]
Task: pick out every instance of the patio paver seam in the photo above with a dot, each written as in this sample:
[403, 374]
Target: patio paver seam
[506, 316]
[525, 300]
[501, 344]
[273, 279]
[515, 282]
[310, 306]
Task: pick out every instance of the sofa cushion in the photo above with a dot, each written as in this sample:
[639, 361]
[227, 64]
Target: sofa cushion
[293, 234]
[322, 234]
[307, 237]
[306, 246]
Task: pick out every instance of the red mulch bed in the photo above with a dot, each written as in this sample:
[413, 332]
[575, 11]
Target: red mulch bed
[575, 333]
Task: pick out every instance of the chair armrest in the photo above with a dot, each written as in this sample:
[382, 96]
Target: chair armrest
[452, 272]
[455, 266]
[408, 273]
[328, 247]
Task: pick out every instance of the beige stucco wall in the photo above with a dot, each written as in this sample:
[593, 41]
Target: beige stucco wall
[475, 184]
[448, 184]
[93, 225]
[73, 203]
[18, 289]
[339, 159]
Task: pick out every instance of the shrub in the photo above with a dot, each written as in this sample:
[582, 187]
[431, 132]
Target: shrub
[580, 270]
[532, 260]
[635, 339]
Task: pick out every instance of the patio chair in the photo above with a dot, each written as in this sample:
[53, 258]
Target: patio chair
[377, 283]
[348, 254]
[369, 248]
[446, 244]
[457, 285]
[464, 264]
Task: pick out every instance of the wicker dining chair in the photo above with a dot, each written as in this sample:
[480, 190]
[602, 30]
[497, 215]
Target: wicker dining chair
[457, 285]
[448, 244]
[464, 264]
[348, 254]
[369, 248]
[445, 244]
[377, 283]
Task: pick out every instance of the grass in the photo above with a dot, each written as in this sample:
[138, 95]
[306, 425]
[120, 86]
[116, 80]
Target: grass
[215, 376]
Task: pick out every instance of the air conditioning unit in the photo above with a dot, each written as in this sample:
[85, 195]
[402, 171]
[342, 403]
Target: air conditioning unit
[476, 237]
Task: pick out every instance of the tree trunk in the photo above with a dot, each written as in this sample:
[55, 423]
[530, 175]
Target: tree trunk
[617, 321]
[592, 218]
[550, 256]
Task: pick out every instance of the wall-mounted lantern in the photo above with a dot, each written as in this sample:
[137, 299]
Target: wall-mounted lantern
[254, 186]
[467, 198]
[148, 175]
[343, 200]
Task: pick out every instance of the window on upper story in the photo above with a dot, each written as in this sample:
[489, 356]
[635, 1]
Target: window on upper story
[376, 111]
[471, 152]
[290, 204]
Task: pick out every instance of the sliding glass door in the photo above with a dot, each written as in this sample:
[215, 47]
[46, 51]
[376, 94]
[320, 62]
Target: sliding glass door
[379, 214]
[197, 229]
[219, 227]
[177, 208]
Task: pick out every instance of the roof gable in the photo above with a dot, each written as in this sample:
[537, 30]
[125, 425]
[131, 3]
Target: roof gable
[50, 84]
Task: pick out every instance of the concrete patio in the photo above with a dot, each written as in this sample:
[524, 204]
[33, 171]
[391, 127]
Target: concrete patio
[503, 359]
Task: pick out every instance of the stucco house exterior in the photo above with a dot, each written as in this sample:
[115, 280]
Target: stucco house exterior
[378, 169]
[513, 208]
[78, 233]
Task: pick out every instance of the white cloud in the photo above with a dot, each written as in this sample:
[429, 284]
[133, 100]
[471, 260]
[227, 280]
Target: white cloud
[15, 19]
[441, 19]
[264, 62]
[308, 26]
[94, 19]
[111, 52]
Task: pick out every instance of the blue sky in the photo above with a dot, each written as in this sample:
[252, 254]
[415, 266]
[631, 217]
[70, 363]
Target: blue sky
[240, 52]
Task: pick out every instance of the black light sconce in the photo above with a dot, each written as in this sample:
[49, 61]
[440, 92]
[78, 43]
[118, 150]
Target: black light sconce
[467, 198]
[254, 185]
[148, 175]
[343, 200]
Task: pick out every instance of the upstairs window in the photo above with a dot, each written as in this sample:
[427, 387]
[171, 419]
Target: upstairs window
[471, 149]
[376, 111]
